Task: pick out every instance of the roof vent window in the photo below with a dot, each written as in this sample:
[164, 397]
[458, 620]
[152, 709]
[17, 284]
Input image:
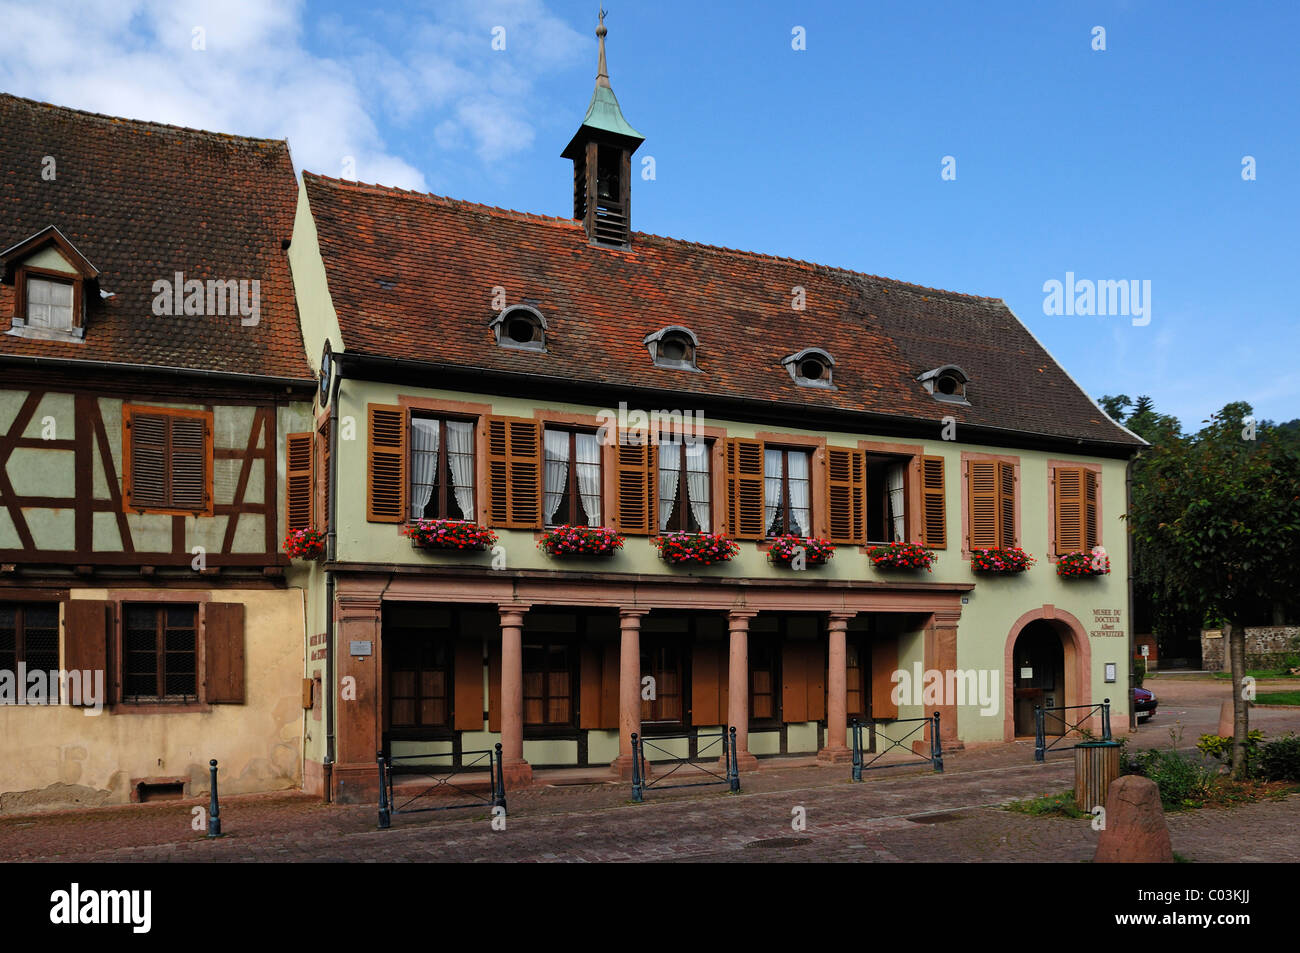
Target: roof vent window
[811, 367]
[521, 328]
[673, 347]
[947, 383]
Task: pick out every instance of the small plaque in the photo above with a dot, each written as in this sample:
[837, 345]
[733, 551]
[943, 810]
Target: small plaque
[361, 648]
[1110, 669]
[1146, 650]
[1026, 673]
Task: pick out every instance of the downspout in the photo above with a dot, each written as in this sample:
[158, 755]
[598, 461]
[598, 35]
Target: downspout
[1132, 621]
[331, 543]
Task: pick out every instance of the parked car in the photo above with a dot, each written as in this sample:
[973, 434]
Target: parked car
[1144, 702]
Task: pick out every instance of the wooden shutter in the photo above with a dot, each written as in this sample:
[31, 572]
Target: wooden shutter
[637, 485]
[298, 486]
[815, 678]
[514, 473]
[981, 478]
[846, 491]
[709, 683]
[494, 685]
[609, 687]
[386, 464]
[884, 662]
[934, 525]
[1007, 505]
[468, 677]
[1092, 532]
[146, 483]
[223, 653]
[87, 623]
[589, 685]
[745, 511]
[189, 463]
[1069, 509]
[794, 682]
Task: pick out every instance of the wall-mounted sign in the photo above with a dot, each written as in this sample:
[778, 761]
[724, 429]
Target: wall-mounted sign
[361, 648]
[1110, 670]
[1146, 650]
[1026, 673]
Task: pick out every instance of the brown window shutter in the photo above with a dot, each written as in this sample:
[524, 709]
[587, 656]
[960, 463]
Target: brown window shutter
[745, 512]
[846, 490]
[589, 685]
[708, 683]
[146, 469]
[1007, 505]
[386, 464]
[494, 685]
[794, 682]
[468, 677]
[1092, 531]
[981, 478]
[609, 687]
[884, 662]
[815, 676]
[1069, 509]
[637, 484]
[223, 653]
[87, 623]
[514, 472]
[190, 488]
[298, 481]
[934, 527]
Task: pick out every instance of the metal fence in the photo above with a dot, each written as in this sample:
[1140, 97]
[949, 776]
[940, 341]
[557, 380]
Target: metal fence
[724, 741]
[935, 757]
[444, 779]
[1041, 747]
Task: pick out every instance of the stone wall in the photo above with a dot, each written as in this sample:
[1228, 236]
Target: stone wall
[1266, 647]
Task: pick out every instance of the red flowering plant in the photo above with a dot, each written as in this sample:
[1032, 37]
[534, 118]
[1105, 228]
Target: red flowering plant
[580, 541]
[786, 549]
[304, 544]
[1073, 565]
[901, 556]
[448, 534]
[1010, 560]
[704, 549]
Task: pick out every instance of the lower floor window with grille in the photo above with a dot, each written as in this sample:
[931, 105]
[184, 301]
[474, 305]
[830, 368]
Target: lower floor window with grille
[29, 635]
[160, 653]
[662, 661]
[419, 673]
[548, 684]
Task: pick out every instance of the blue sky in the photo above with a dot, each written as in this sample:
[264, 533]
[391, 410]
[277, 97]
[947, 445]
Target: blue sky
[1122, 164]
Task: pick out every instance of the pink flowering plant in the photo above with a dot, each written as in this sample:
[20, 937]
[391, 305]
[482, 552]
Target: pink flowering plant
[1077, 564]
[1010, 560]
[304, 544]
[448, 534]
[901, 556]
[703, 549]
[580, 541]
[785, 548]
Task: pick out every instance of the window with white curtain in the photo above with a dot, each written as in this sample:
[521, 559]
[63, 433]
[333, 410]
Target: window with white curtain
[442, 468]
[684, 489]
[571, 490]
[887, 499]
[49, 304]
[787, 496]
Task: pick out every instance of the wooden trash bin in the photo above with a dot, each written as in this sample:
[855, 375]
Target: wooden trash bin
[1096, 765]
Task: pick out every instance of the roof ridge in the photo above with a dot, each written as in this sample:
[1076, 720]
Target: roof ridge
[448, 201]
[124, 120]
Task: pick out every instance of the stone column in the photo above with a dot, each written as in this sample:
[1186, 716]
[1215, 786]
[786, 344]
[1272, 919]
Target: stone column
[517, 771]
[837, 750]
[358, 713]
[738, 686]
[629, 687]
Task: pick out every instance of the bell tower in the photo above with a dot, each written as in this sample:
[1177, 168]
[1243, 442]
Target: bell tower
[601, 151]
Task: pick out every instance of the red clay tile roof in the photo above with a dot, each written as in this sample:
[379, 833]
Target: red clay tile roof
[412, 277]
[142, 201]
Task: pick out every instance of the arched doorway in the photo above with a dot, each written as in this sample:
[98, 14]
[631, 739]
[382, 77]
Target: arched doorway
[1048, 662]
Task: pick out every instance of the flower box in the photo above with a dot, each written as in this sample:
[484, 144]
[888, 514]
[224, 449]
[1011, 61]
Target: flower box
[305, 544]
[580, 541]
[1078, 564]
[1001, 561]
[457, 535]
[702, 549]
[901, 556]
[786, 550]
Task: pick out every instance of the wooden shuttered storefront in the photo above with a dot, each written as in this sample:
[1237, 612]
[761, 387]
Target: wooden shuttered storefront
[934, 526]
[710, 682]
[167, 465]
[1075, 503]
[992, 492]
[299, 484]
[846, 495]
[514, 460]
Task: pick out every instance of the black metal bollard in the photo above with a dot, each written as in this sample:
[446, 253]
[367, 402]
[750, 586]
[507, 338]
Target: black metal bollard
[499, 787]
[1105, 720]
[857, 750]
[733, 768]
[214, 807]
[936, 746]
[1040, 739]
[385, 820]
[637, 793]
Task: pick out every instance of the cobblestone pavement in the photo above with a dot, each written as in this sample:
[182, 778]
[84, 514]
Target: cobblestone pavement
[904, 813]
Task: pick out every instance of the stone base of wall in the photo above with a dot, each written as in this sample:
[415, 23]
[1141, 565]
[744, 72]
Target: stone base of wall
[1267, 646]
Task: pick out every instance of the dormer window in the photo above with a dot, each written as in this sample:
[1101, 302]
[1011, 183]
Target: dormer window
[520, 328]
[49, 302]
[947, 383]
[811, 367]
[50, 278]
[673, 347]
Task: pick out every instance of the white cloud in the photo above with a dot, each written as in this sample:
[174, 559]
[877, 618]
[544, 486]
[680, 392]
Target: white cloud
[257, 75]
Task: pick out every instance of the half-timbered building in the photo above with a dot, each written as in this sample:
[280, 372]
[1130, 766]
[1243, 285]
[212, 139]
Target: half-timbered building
[151, 363]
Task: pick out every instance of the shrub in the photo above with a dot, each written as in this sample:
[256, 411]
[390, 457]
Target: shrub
[1279, 760]
[1182, 782]
[1139, 672]
[1220, 748]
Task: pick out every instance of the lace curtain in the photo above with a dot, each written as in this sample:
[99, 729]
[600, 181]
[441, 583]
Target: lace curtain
[424, 463]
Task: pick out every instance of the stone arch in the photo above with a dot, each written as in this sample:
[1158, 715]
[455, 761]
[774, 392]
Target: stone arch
[1078, 662]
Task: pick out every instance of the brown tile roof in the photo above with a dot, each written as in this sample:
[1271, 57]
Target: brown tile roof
[412, 277]
[142, 201]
